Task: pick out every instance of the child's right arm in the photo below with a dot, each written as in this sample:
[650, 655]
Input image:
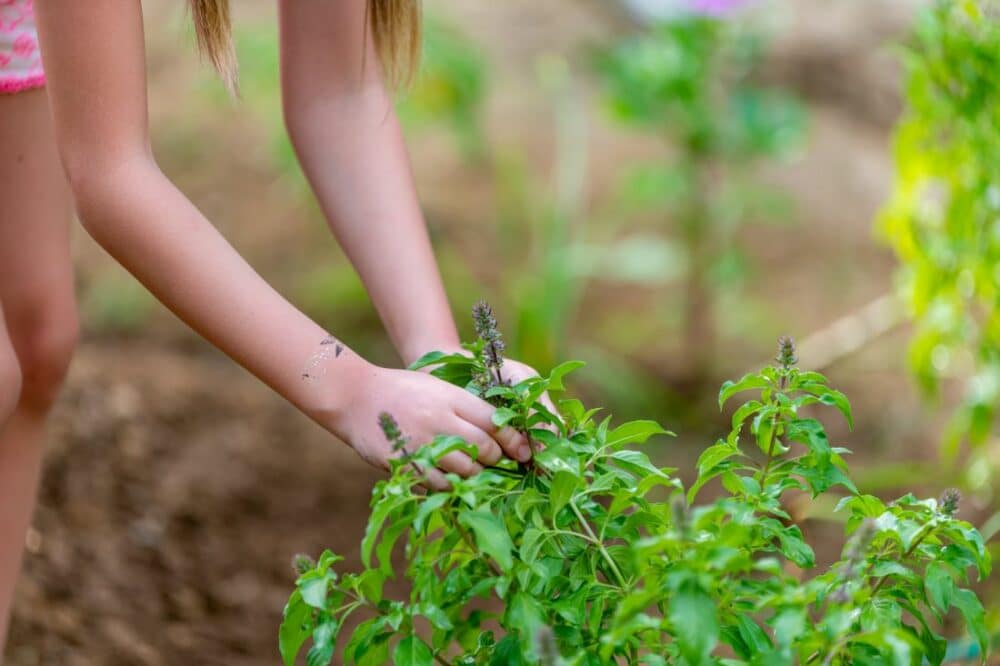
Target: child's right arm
[94, 58]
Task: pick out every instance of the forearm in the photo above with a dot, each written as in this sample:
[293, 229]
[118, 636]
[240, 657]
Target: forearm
[345, 132]
[145, 223]
[352, 152]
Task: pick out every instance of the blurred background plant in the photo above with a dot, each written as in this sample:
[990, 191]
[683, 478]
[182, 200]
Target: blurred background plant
[114, 303]
[451, 88]
[943, 221]
[689, 81]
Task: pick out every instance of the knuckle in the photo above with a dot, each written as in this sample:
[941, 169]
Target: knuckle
[490, 453]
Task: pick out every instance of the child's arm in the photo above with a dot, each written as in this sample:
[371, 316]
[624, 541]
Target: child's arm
[94, 58]
[347, 137]
[345, 132]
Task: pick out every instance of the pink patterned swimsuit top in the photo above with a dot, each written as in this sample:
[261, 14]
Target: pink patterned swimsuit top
[20, 60]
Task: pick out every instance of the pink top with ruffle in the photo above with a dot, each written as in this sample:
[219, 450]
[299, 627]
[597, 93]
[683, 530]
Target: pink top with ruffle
[20, 60]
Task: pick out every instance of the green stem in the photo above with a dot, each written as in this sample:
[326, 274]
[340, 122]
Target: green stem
[599, 544]
[770, 453]
[513, 473]
[437, 657]
[909, 551]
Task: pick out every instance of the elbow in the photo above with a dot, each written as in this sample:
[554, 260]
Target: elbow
[97, 180]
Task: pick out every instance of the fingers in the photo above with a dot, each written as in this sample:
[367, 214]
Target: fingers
[513, 443]
[434, 479]
[457, 462]
[480, 414]
[490, 452]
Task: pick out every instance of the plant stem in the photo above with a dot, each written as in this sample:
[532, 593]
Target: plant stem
[437, 657]
[496, 357]
[909, 551]
[599, 544]
[503, 470]
[770, 453]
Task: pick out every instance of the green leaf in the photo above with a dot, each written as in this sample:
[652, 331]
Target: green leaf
[314, 591]
[531, 541]
[695, 624]
[491, 536]
[556, 376]
[442, 445]
[324, 641]
[891, 568]
[526, 616]
[296, 625]
[745, 411]
[390, 535]
[975, 619]
[369, 644]
[370, 584]
[559, 456]
[501, 392]
[714, 455]
[840, 401]
[789, 624]
[636, 462]
[427, 508]
[379, 517]
[438, 358]
[752, 634]
[939, 585]
[411, 651]
[634, 432]
[503, 415]
[507, 652]
[562, 489]
[750, 381]
[439, 619]
[794, 547]
[811, 433]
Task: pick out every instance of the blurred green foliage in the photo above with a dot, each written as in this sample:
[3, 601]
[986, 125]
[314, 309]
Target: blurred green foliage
[541, 224]
[260, 83]
[943, 219]
[450, 89]
[114, 302]
[690, 82]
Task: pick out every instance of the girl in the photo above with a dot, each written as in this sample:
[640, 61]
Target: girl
[341, 122]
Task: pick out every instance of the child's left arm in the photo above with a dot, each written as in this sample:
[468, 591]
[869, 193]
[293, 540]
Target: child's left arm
[347, 137]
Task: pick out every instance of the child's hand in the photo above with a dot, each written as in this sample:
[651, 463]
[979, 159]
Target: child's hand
[515, 371]
[424, 406]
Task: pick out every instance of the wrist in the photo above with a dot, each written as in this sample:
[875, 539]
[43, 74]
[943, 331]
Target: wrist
[333, 389]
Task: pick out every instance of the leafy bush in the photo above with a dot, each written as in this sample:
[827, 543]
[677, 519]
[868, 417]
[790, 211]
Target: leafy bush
[943, 219]
[592, 554]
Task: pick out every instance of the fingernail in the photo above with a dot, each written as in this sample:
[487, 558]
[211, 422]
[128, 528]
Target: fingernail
[524, 453]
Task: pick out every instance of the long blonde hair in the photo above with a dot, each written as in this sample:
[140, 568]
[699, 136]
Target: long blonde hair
[395, 25]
